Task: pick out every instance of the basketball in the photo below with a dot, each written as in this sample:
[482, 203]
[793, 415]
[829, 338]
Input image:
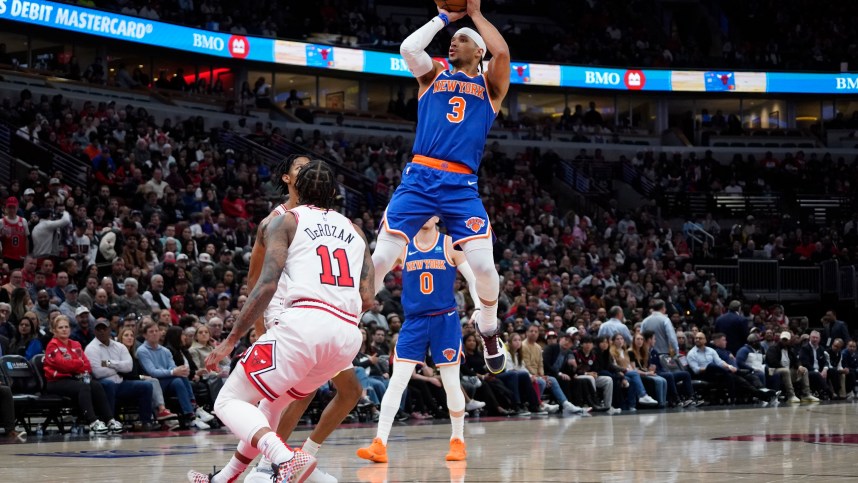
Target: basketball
[452, 5]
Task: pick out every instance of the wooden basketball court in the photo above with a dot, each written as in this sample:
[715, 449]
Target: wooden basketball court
[787, 443]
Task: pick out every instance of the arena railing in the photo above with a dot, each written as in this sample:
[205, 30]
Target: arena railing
[769, 279]
[48, 158]
[6, 159]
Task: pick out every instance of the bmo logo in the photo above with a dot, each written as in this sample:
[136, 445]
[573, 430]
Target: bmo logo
[847, 83]
[635, 80]
[208, 42]
[239, 47]
[601, 78]
[398, 64]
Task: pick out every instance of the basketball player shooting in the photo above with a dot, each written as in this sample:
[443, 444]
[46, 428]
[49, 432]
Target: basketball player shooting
[311, 255]
[431, 322]
[455, 111]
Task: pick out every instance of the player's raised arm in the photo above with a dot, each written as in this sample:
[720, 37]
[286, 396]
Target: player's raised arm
[367, 276]
[413, 48]
[498, 70]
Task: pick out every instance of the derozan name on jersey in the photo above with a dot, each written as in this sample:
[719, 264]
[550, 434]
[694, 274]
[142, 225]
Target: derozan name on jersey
[331, 231]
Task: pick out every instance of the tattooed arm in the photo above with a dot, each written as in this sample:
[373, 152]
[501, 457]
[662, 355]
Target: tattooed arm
[278, 235]
[257, 255]
[367, 276]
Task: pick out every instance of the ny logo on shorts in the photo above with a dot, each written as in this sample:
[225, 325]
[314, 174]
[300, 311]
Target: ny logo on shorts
[449, 354]
[475, 223]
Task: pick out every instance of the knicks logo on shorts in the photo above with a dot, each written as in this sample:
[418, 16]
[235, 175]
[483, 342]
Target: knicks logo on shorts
[475, 223]
[449, 354]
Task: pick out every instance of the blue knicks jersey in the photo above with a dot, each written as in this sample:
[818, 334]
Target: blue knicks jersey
[427, 280]
[454, 118]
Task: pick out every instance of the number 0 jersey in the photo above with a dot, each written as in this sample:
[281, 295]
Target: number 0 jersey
[427, 279]
[323, 266]
[454, 116]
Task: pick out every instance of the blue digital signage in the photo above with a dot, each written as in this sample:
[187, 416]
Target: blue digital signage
[284, 52]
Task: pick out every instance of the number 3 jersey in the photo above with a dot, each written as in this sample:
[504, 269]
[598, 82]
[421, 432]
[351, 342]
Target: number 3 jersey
[323, 266]
[455, 115]
[427, 280]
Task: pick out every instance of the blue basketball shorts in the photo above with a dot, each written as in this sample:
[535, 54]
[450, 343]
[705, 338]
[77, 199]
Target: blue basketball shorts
[426, 192]
[440, 333]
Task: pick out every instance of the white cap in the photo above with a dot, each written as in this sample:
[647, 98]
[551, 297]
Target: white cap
[571, 331]
[473, 35]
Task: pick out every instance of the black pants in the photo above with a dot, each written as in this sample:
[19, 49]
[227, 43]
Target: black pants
[90, 397]
[7, 409]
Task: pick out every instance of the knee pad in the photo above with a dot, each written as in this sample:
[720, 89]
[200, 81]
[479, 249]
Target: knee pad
[480, 255]
[451, 381]
[388, 247]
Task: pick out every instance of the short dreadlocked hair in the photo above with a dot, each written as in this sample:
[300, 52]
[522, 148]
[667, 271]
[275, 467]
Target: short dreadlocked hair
[284, 168]
[317, 185]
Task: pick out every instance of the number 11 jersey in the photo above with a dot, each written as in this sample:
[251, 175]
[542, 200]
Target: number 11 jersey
[455, 115]
[323, 265]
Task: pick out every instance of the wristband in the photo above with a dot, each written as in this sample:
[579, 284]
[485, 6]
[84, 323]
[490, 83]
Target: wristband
[444, 18]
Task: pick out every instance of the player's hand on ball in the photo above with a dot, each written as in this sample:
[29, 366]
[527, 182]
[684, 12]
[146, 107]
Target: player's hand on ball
[453, 16]
[473, 7]
[217, 355]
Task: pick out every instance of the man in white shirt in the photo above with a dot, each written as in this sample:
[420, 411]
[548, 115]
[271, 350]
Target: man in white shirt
[46, 234]
[109, 359]
[157, 183]
[157, 300]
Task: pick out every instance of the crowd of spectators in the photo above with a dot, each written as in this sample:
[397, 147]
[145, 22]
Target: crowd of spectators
[155, 254]
[791, 237]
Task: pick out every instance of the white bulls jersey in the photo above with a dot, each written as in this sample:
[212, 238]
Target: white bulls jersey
[323, 266]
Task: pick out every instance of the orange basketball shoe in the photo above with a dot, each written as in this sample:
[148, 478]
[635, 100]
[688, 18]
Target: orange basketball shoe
[376, 452]
[457, 450]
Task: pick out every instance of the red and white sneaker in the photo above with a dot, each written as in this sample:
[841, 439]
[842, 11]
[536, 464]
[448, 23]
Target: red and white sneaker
[165, 415]
[296, 470]
[197, 477]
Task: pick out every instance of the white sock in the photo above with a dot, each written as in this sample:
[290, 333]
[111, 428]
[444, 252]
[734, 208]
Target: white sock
[488, 318]
[274, 449]
[311, 447]
[458, 423]
[264, 462]
[230, 472]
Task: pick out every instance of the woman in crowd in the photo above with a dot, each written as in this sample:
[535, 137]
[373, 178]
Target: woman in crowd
[639, 356]
[201, 347]
[67, 371]
[675, 379]
[515, 362]
[620, 364]
[27, 342]
[20, 302]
